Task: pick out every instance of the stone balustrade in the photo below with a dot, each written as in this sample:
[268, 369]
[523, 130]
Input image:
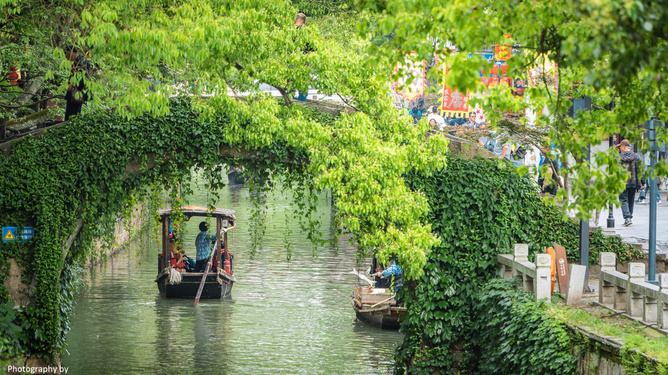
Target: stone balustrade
[535, 276]
[631, 293]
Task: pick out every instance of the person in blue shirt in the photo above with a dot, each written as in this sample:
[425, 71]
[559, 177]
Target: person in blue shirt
[203, 243]
[395, 272]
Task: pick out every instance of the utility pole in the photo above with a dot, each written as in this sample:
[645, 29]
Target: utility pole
[584, 104]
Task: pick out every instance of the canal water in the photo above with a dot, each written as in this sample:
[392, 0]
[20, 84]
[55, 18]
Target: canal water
[284, 317]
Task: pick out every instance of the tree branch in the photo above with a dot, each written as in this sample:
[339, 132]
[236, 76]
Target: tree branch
[284, 94]
[23, 106]
[348, 103]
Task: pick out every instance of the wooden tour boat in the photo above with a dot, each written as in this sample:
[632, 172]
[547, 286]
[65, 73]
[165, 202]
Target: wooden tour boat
[236, 176]
[377, 307]
[217, 279]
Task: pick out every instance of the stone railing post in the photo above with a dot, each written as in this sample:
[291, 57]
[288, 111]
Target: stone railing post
[520, 255]
[662, 308]
[521, 252]
[543, 281]
[606, 294]
[634, 301]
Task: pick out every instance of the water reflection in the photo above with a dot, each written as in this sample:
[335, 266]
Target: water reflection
[283, 317]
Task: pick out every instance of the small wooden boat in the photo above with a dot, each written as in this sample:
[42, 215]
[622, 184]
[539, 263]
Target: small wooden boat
[240, 176]
[377, 307]
[173, 279]
[236, 176]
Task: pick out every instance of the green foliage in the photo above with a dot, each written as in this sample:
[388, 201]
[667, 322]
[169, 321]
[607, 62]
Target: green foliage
[515, 335]
[86, 179]
[32, 33]
[566, 232]
[13, 331]
[644, 350]
[480, 208]
[603, 49]
[319, 8]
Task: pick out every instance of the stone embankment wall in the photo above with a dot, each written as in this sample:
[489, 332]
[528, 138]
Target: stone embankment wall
[125, 229]
[600, 355]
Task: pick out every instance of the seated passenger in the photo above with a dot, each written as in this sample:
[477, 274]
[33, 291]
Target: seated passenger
[203, 243]
[188, 263]
[178, 258]
[394, 273]
[380, 282]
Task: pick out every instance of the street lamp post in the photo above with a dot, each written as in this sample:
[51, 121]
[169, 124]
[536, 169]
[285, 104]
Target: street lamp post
[611, 218]
[584, 104]
[654, 148]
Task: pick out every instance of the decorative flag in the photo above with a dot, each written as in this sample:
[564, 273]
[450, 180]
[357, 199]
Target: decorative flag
[416, 88]
[503, 52]
[454, 103]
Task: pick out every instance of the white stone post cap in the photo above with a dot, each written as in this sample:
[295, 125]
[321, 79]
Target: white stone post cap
[663, 280]
[543, 260]
[607, 259]
[636, 269]
[521, 250]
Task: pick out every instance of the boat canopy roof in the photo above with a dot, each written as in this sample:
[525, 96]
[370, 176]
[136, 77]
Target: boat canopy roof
[191, 211]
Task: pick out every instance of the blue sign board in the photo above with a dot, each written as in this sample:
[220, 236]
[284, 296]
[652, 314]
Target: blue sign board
[11, 234]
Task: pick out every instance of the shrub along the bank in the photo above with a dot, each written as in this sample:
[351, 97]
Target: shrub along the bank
[515, 335]
[479, 208]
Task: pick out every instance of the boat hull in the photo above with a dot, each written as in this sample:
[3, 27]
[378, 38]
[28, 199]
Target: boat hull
[386, 317]
[236, 177]
[189, 285]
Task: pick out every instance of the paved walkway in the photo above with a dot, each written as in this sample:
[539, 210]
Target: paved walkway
[638, 232]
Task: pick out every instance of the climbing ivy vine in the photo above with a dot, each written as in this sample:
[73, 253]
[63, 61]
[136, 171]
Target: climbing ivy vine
[482, 207]
[86, 172]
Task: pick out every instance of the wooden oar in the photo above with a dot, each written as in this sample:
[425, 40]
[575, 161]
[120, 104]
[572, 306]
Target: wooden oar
[383, 301]
[206, 272]
[208, 266]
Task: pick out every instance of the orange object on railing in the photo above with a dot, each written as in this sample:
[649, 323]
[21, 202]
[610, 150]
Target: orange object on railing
[553, 266]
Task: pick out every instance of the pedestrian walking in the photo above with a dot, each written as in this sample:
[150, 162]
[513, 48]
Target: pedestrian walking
[629, 160]
[77, 93]
[642, 196]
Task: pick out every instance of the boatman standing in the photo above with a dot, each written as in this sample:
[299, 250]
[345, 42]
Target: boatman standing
[203, 244]
[396, 272]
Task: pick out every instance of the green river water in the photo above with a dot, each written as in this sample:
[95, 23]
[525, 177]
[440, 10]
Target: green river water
[284, 317]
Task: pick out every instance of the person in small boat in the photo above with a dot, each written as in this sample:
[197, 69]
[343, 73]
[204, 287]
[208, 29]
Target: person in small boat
[203, 243]
[380, 281]
[178, 257]
[394, 273]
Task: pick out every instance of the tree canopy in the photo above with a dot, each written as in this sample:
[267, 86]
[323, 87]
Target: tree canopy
[212, 47]
[605, 49]
[226, 50]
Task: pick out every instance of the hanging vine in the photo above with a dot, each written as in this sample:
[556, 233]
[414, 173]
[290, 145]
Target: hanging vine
[99, 164]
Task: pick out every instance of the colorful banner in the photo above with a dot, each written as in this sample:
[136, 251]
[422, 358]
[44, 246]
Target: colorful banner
[416, 88]
[454, 103]
[503, 52]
